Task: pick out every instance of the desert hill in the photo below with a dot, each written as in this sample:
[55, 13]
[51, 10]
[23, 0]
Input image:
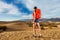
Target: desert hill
[22, 30]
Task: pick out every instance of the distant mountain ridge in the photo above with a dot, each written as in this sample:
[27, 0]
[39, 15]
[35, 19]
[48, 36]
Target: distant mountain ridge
[52, 19]
[44, 19]
[29, 20]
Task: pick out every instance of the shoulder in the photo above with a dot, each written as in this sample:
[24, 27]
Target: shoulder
[38, 9]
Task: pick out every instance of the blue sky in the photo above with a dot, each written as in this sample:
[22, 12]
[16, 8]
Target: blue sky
[22, 9]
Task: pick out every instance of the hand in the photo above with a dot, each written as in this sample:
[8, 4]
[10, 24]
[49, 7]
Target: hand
[33, 21]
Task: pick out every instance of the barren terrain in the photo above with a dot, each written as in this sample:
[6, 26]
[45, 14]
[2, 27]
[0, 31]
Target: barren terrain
[23, 31]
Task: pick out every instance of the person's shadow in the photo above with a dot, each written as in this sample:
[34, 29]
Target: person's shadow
[7, 29]
[3, 28]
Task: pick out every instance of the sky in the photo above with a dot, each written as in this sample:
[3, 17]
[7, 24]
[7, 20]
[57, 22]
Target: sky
[22, 9]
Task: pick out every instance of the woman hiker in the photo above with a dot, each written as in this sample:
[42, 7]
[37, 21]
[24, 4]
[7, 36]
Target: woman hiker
[36, 18]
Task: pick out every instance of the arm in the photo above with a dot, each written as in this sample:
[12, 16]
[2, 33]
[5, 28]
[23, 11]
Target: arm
[33, 16]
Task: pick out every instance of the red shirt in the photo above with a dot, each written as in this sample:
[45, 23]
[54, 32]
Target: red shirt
[37, 14]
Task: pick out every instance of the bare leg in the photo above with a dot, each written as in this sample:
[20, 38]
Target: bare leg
[34, 30]
[39, 28]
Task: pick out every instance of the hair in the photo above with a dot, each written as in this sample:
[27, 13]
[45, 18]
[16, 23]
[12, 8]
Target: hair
[35, 7]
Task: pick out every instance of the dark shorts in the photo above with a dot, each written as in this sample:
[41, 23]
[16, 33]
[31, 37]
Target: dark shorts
[36, 20]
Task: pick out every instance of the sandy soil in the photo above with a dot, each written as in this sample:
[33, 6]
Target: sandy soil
[22, 31]
[47, 34]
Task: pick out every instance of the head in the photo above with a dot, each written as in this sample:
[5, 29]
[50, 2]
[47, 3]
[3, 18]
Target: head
[35, 7]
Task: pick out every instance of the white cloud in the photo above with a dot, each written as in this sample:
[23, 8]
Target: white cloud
[28, 3]
[8, 8]
[14, 11]
[45, 6]
[26, 16]
[49, 8]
